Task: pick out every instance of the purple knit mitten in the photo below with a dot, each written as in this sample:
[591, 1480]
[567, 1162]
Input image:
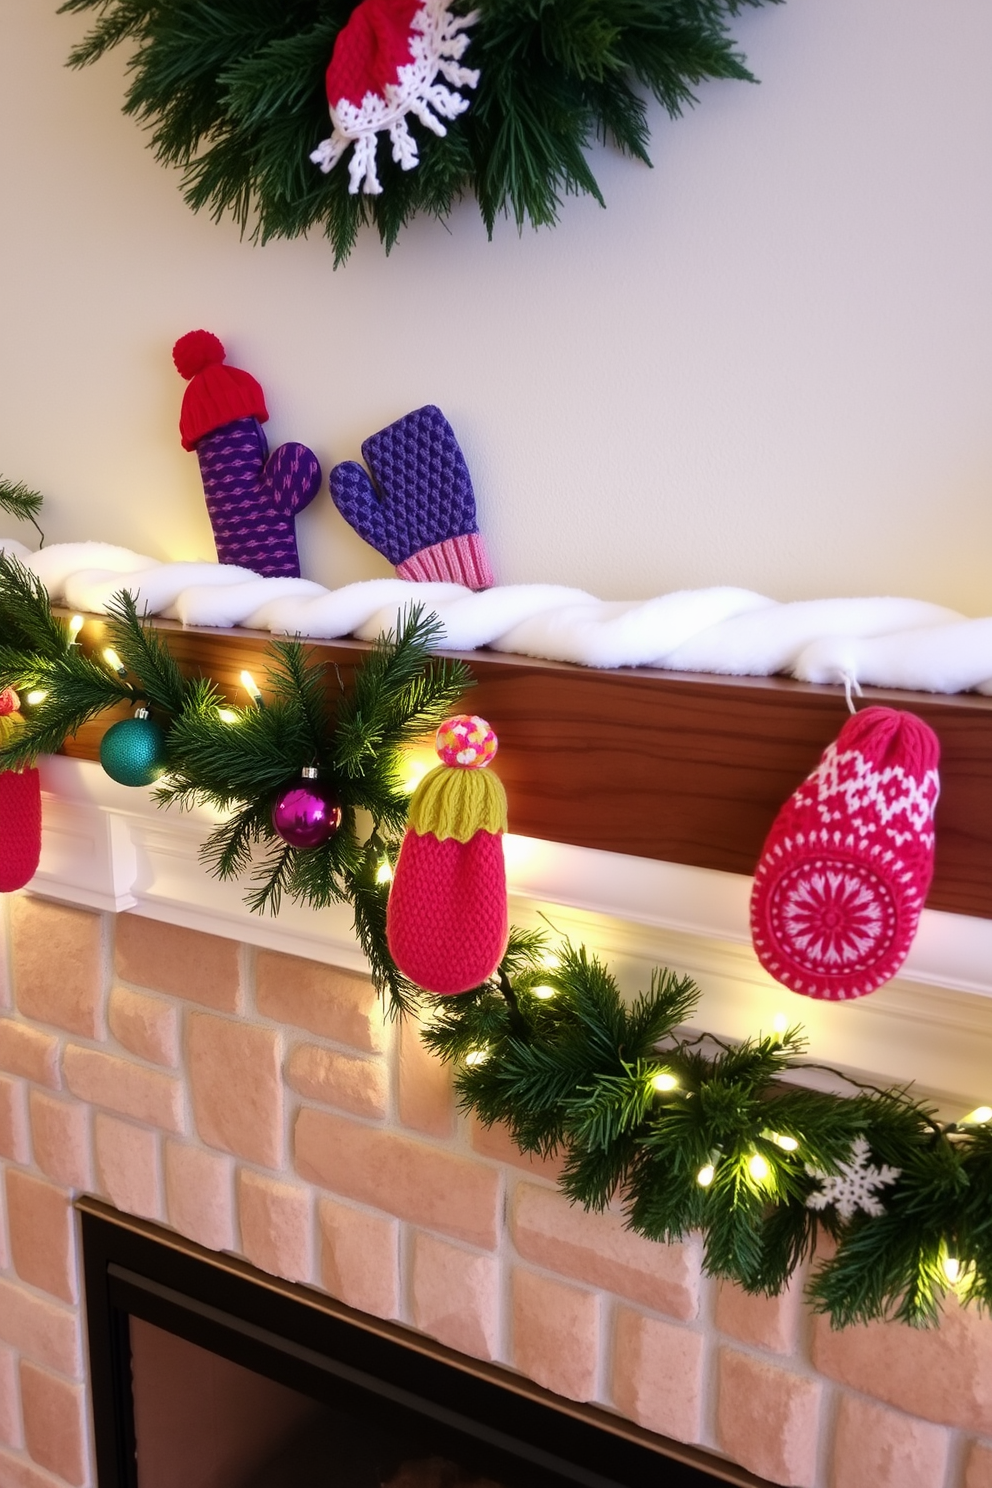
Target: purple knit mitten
[253, 498]
[420, 511]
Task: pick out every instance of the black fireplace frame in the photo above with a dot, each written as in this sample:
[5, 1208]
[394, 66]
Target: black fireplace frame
[314, 1344]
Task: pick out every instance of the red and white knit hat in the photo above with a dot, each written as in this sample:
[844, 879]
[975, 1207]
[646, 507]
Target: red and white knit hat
[844, 873]
[386, 64]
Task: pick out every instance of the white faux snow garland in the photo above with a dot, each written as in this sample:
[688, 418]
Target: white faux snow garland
[901, 643]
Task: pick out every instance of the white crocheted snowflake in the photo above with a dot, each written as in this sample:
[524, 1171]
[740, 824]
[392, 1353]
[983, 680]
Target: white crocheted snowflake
[437, 43]
[853, 1187]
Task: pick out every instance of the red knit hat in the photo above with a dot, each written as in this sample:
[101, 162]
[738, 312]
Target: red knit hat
[216, 394]
[388, 62]
[844, 873]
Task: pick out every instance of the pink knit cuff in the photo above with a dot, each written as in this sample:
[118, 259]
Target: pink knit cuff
[457, 560]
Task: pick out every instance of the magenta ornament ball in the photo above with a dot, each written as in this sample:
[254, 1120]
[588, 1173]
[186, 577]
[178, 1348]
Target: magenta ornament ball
[306, 814]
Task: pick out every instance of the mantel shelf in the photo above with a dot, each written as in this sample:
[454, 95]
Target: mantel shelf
[687, 768]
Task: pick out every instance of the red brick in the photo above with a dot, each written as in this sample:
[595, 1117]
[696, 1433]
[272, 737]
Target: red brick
[18, 1472]
[599, 1249]
[942, 1374]
[186, 963]
[360, 1258]
[875, 1447]
[496, 1142]
[60, 1137]
[236, 1087]
[146, 1026]
[127, 1165]
[29, 1052]
[426, 1096]
[768, 1419]
[41, 1329]
[42, 1240]
[360, 1086]
[199, 1195]
[555, 1334]
[10, 1401]
[658, 1374]
[129, 1089]
[428, 1185]
[455, 1296]
[768, 1322]
[54, 1422]
[978, 1471]
[13, 1121]
[57, 955]
[275, 1226]
[336, 1004]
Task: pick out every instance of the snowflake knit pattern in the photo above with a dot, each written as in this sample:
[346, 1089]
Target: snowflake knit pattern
[422, 516]
[844, 872]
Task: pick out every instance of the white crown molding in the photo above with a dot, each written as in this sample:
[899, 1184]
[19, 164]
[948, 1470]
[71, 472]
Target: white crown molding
[110, 848]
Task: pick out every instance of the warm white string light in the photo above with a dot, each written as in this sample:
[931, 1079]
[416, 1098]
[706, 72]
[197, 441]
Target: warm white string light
[665, 1081]
[75, 626]
[384, 872]
[251, 688]
[476, 1057]
[545, 993]
[38, 695]
[114, 662]
[758, 1167]
[227, 715]
[706, 1175]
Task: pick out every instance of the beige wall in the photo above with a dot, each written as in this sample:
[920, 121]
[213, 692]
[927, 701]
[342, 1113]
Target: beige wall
[767, 363]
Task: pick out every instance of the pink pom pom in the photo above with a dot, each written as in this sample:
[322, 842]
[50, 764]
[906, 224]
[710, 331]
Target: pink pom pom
[466, 741]
[196, 350]
[9, 702]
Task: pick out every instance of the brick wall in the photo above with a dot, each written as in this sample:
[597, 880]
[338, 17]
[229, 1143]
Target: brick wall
[259, 1103]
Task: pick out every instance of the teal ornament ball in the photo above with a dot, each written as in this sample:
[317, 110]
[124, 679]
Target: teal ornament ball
[133, 751]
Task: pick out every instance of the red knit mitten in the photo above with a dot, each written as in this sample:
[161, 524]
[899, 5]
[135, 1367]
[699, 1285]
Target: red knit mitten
[844, 873]
[20, 811]
[447, 916]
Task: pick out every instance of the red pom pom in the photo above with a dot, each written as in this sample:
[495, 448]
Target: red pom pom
[9, 702]
[196, 350]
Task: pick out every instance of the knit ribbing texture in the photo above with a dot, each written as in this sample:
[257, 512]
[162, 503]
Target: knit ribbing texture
[845, 870]
[447, 921]
[457, 804]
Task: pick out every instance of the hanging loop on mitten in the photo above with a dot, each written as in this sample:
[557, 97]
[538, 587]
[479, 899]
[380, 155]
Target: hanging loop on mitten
[252, 498]
[844, 873]
[420, 511]
[447, 918]
[20, 809]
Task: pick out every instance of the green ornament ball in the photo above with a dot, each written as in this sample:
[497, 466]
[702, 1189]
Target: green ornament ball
[133, 751]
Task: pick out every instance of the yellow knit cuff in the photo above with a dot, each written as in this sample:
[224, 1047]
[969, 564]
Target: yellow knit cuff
[458, 803]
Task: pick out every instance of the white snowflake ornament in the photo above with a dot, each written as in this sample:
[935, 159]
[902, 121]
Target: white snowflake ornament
[853, 1187]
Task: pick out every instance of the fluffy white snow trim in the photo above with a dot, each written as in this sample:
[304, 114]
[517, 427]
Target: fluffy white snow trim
[904, 643]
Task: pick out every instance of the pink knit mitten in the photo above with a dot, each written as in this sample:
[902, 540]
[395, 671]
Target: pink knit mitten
[844, 873]
[447, 917]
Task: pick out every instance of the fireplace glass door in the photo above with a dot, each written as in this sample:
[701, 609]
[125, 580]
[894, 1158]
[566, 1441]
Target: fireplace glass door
[209, 1374]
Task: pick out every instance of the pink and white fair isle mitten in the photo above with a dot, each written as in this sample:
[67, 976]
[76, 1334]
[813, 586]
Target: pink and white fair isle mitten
[845, 870]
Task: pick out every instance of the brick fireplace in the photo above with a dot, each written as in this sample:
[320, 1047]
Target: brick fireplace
[257, 1102]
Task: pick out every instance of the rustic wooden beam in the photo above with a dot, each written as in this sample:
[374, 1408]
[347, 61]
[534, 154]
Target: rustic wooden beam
[684, 768]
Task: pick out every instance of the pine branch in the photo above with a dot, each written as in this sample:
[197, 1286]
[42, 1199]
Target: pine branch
[144, 651]
[26, 620]
[21, 502]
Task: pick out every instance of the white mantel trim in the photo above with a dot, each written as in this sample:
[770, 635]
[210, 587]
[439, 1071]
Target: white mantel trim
[110, 848]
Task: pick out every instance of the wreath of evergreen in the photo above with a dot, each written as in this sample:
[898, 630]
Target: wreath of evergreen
[232, 92]
[684, 1133]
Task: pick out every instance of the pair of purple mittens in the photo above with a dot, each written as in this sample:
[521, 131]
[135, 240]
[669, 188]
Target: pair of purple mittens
[419, 513]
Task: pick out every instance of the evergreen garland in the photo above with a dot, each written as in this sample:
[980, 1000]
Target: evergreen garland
[21, 502]
[684, 1133]
[232, 92]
